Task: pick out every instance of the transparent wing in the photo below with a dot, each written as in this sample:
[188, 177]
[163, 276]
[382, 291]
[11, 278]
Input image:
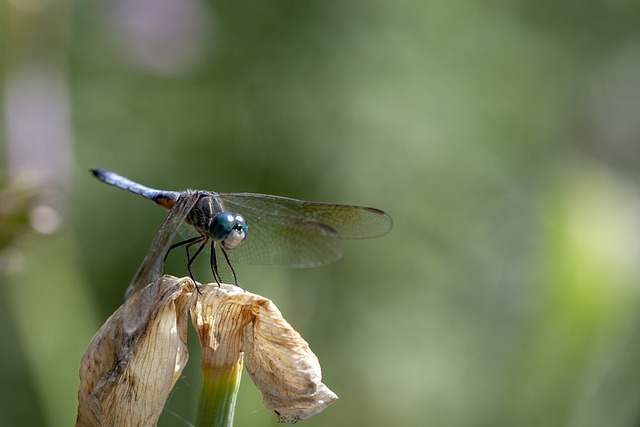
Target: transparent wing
[296, 233]
[153, 263]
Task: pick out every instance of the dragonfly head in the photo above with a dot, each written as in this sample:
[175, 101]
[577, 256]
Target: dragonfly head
[228, 229]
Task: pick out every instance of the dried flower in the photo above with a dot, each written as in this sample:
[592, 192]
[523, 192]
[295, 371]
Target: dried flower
[136, 357]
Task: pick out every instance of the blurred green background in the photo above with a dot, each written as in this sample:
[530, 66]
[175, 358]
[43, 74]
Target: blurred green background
[502, 137]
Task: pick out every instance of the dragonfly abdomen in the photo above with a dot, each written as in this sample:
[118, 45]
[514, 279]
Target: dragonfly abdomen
[163, 198]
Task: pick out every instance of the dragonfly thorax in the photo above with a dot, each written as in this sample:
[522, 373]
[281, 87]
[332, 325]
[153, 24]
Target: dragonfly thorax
[228, 229]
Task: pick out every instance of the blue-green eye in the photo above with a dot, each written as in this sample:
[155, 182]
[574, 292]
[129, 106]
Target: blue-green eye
[228, 229]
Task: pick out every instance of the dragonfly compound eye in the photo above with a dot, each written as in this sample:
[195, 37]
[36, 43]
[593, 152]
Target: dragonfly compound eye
[229, 229]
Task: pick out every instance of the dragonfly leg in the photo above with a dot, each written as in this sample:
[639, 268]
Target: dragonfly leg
[190, 260]
[226, 257]
[187, 242]
[214, 264]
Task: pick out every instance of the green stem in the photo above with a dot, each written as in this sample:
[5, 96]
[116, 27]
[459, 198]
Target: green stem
[218, 395]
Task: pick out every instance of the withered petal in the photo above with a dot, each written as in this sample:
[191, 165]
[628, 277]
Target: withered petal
[136, 357]
[277, 358]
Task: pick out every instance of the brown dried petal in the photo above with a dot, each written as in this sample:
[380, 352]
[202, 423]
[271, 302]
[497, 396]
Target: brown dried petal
[278, 360]
[283, 366]
[134, 360]
[220, 315]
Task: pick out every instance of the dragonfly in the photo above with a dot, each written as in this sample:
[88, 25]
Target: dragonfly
[250, 228]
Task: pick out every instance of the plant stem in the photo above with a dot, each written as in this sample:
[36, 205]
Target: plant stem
[218, 395]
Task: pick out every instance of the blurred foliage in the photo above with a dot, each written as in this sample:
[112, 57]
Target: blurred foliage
[502, 137]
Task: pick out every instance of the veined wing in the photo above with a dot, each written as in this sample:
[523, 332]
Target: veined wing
[153, 263]
[297, 233]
